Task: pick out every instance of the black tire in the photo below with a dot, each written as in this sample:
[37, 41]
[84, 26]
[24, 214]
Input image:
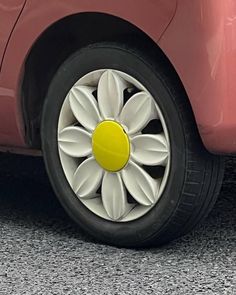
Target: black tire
[195, 175]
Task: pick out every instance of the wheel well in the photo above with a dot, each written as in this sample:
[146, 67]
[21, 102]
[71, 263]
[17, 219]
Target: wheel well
[57, 43]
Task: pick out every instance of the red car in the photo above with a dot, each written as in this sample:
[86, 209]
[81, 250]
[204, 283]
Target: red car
[131, 103]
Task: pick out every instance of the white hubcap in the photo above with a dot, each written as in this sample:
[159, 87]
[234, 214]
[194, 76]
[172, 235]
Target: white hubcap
[113, 99]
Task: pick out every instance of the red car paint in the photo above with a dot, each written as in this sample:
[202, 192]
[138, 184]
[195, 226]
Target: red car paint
[198, 37]
[201, 44]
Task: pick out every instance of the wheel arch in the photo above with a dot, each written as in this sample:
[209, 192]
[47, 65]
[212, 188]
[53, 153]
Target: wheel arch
[68, 35]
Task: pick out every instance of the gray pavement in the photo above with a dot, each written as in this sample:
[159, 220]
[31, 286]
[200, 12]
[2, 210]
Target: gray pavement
[43, 252]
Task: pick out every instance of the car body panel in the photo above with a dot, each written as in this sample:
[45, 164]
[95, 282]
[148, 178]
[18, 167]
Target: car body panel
[150, 16]
[9, 13]
[201, 44]
[197, 36]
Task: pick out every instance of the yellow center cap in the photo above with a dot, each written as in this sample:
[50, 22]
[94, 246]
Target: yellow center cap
[111, 147]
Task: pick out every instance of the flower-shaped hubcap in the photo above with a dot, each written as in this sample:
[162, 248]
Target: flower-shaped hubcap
[110, 145]
[113, 145]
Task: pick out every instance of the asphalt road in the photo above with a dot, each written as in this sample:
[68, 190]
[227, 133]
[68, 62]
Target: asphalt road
[43, 252]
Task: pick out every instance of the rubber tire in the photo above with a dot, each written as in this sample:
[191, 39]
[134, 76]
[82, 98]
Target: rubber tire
[195, 175]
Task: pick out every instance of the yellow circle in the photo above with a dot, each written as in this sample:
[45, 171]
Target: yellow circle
[111, 147]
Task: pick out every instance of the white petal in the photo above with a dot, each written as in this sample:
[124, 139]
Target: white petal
[140, 184]
[87, 178]
[110, 94]
[150, 149]
[84, 106]
[137, 112]
[75, 142]
[114, 195]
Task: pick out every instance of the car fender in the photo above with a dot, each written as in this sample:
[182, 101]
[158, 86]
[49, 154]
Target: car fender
[151, 16]
[200, 42]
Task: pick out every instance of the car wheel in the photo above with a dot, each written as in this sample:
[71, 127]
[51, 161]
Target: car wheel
[122, 149]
